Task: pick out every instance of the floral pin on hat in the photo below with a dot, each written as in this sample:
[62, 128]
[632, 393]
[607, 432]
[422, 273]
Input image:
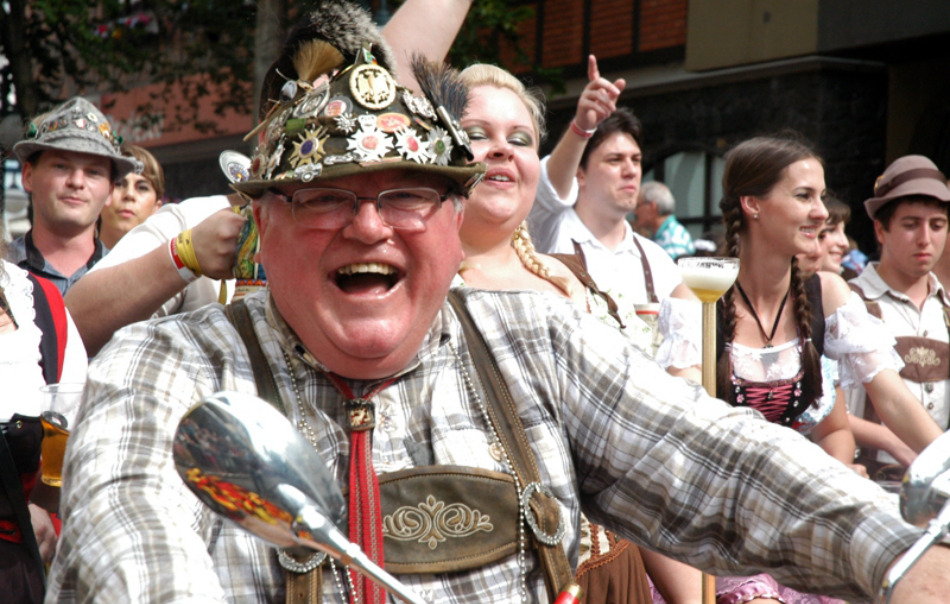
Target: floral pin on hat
[340, 111]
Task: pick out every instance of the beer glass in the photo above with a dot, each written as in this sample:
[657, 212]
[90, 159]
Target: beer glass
[60, 402]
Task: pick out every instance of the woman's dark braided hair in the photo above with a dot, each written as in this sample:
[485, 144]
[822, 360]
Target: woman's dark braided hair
[753, 168]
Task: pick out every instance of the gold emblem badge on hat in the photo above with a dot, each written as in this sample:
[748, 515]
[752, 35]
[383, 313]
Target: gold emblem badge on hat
[372, 86]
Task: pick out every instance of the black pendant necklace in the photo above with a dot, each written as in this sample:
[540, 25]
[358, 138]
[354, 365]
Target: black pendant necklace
[768, 338]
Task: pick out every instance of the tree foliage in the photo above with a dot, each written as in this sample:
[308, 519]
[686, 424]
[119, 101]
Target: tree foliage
[56, 49]
[60, 48]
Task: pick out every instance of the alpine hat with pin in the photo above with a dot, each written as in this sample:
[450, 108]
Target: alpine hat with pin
[79, 127]
[334, 109]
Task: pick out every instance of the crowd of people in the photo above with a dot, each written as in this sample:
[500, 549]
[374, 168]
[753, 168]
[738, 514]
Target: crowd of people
[410, 270]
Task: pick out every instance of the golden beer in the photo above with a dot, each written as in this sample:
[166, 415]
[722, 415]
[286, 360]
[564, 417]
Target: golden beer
[53, 447]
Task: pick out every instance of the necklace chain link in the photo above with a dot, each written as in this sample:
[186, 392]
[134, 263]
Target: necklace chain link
[470, 385]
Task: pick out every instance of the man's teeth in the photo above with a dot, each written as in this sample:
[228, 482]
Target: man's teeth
[372, 267]
[499, 177]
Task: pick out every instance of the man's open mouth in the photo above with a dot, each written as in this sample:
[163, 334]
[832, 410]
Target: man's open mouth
[366, 278]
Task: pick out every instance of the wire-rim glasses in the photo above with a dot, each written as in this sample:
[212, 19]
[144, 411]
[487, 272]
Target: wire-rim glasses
[330, 209]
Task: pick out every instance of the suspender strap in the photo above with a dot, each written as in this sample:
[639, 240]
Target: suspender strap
[579, 252]
[13, 489]
[507, 423]
[51, 318]
[576, 264]
[302, 588]
[504, 417]
[240, 317]
[874, 309]
[647, 274]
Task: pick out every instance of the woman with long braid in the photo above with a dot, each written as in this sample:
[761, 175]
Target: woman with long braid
[505, 124]
[774, 324]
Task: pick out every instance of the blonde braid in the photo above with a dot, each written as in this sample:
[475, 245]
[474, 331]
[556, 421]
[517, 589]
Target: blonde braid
[521, 241]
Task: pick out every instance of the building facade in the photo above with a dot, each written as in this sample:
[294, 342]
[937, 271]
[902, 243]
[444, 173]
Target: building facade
[864, 80]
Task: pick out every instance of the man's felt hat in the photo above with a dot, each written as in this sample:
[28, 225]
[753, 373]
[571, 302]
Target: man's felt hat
[911, 175]
[333, 109]
[77, 126]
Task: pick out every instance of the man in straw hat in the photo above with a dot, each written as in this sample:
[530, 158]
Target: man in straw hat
[358, 188]
[70, 160]
[909, 209]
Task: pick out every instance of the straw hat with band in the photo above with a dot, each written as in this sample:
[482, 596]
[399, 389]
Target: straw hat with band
[340, 112]
[908, 176]
[77, 126]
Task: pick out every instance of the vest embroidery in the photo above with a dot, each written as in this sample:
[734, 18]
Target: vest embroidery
[433, 521]
[922, 356]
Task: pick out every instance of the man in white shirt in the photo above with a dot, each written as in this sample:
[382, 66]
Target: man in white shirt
[909, 209]
[589, 184]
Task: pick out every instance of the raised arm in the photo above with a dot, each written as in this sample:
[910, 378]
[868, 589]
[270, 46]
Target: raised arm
[441, 19]
[106, 300]
[596, 103]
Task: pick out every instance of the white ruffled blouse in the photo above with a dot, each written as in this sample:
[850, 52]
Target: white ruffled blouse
[858, 341]
[20, 371]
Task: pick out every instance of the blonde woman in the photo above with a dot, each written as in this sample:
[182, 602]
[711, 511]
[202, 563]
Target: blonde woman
[505, 124]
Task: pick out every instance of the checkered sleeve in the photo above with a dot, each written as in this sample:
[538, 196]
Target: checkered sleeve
[665, 465]
[126, 511]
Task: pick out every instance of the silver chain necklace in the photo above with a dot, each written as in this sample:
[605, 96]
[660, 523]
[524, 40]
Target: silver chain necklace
[496, 443]
[318, 557]
[304, 428]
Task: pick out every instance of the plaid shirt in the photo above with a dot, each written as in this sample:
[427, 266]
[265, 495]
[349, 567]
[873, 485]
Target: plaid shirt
[646, 454]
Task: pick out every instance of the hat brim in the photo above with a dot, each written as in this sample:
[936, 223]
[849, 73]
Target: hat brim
[25, 149]
[464, 177]
[923, 187]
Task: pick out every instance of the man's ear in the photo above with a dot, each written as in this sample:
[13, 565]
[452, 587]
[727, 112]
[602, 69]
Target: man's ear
[879, 231]
[581, 177]
[26, 177]
[260, 217]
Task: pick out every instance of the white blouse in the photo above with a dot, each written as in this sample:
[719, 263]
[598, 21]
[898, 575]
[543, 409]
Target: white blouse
[21, 372]
[858, 341]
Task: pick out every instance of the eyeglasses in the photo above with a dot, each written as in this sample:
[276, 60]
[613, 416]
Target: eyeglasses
[331, 209]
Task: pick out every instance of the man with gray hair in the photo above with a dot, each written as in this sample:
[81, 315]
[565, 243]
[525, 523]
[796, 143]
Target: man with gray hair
[70, 160]
[655, 212]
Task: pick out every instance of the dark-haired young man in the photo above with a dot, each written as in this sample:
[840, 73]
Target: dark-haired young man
[909, 209]
[589, 185]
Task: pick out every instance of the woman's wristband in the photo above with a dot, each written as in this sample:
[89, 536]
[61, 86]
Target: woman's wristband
[182, 251]
[580, 131]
